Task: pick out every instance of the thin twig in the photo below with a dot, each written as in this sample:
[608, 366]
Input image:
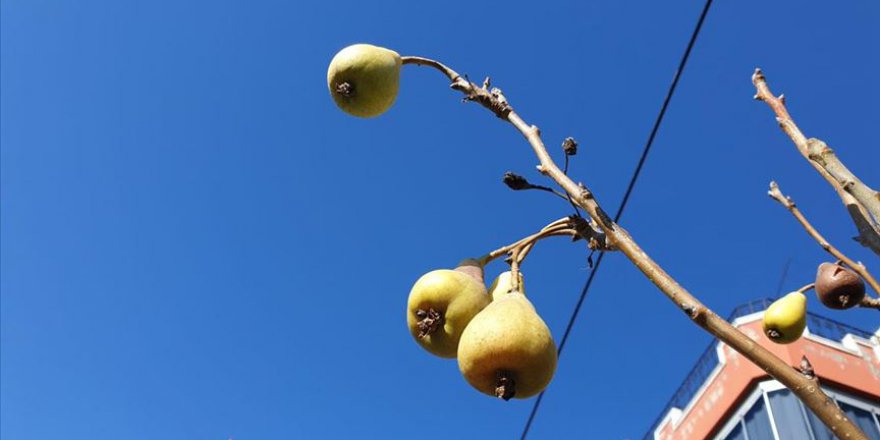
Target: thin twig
[804, 388]
[807, 288]
[776, 194]
[548, 189]
[856, 196]
[557, 227]
[870, 303]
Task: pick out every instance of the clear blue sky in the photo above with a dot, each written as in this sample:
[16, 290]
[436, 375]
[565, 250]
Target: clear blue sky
[196, 244]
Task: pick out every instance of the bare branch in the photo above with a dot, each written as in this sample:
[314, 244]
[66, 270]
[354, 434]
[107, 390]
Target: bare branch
[853, 193]
[699, 314]
[823, 155]
[776, 194]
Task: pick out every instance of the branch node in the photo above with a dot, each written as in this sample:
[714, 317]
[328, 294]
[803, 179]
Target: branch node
[604, 219]
[758, 76]
[806, 368]
[585, 193]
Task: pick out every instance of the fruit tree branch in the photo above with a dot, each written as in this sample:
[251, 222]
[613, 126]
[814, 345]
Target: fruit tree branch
[776, 194]
[701, 315]
[861, 201]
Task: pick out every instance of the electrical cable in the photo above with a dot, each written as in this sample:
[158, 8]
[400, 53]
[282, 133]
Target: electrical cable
[626, 196]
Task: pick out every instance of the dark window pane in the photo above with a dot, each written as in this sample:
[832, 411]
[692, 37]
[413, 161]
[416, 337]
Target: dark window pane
[790, 423]
[737, 433]
[863, 419]
[758, 423]
[820, 431]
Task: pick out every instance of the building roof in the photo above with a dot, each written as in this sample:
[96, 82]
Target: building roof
[820, 330]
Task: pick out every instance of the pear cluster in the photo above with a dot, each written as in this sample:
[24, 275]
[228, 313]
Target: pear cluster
[504, 348]
[836, 287]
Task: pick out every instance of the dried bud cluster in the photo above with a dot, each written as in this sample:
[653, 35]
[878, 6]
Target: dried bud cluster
[570, 146]
[515, 181]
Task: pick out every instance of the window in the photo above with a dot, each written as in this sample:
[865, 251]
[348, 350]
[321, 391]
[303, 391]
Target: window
[754, 424]
[863, 419]
[788, 415]
[820, 431]
[737, 433]
[758, 423]
[773, 412]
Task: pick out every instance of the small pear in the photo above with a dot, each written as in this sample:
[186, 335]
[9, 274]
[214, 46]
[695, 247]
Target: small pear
[364, 79]
[502, 286]
[442, 303]
[786, 318]
[507, 350]
[838, 287]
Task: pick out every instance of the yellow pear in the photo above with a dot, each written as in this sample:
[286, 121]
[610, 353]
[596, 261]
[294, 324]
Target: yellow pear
[501, 286]
[786, 318]
[442, 303]
[363, 79]
[507, 350]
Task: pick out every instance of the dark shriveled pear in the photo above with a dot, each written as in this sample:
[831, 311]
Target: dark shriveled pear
[838, 287]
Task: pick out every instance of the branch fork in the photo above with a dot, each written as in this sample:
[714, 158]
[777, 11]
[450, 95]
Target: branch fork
[862, 202]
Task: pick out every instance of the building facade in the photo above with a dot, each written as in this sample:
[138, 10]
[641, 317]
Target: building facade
[726, 397]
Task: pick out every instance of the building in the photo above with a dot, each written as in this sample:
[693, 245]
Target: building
[726, 397]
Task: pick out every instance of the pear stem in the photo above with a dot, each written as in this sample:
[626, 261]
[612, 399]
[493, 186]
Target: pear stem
[776, 194]
[807, 288]
[557, 227]
[575, 227]
[806, 389]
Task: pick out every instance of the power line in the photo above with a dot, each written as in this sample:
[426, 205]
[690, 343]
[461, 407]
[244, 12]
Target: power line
[782, 277]
[623, 202]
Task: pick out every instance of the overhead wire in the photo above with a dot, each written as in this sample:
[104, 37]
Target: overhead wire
[625, 200]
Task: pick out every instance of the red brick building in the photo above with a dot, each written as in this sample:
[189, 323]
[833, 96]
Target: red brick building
[726, 397]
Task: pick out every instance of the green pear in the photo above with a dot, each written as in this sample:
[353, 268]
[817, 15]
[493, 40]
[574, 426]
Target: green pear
[442, 303]
[786, 318]
[502, 286]
[363, 79]
[507, 350]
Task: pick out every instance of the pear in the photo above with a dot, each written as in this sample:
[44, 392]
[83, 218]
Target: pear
[838, 287]
[501, 286]
[363, 79]
[507, 350]
[442, 303]
[786, 318]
